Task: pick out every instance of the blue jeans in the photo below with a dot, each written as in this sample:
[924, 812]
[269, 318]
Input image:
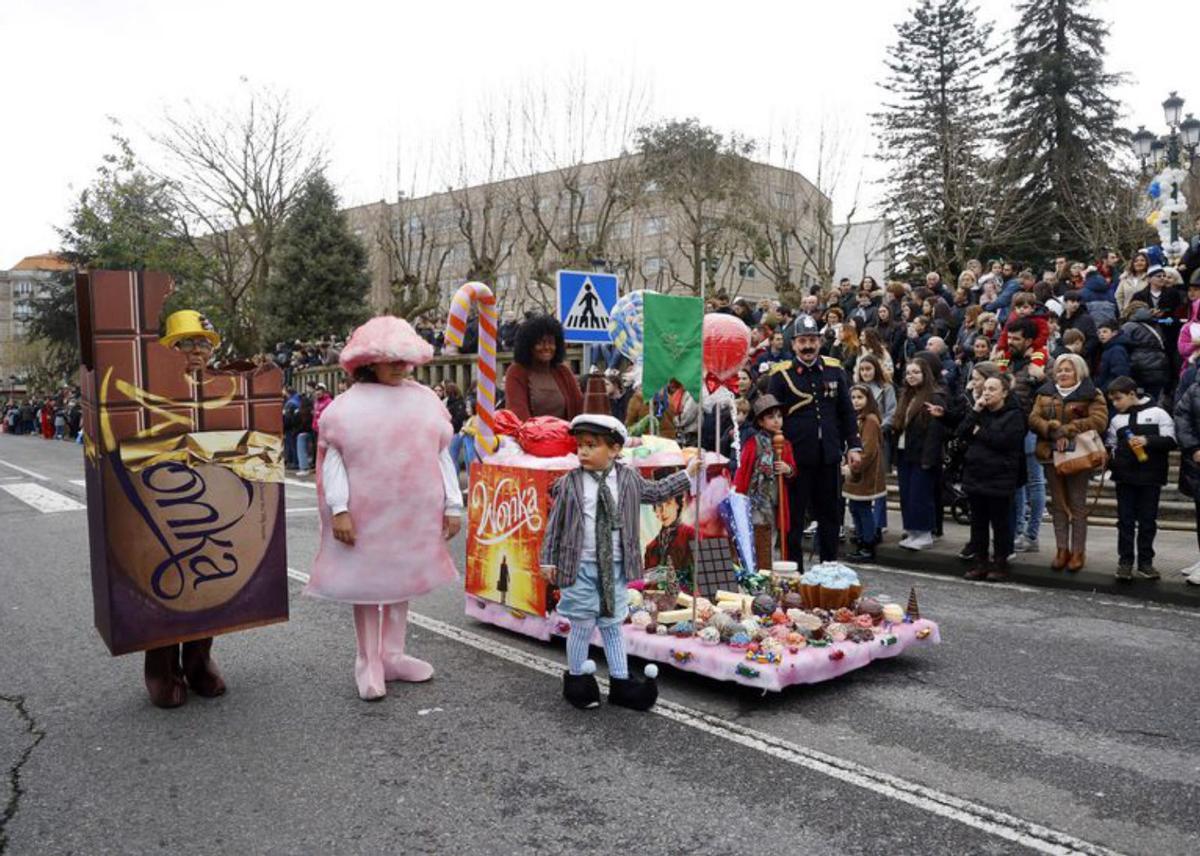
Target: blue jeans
[862, 512]
[880, 512]
[304, 450]
[1030, 500]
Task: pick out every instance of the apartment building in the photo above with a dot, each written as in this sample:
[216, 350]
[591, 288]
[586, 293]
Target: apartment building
[26, 281]
[514, 234]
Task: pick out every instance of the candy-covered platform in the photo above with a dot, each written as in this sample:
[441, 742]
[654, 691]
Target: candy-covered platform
[784, 655]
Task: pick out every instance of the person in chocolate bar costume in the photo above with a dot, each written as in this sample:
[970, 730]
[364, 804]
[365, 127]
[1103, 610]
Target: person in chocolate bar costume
[171, 669]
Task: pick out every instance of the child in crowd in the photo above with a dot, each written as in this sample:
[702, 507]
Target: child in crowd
[1025, 305]
[592, 549]
[1140, 437]
[1114, 353]
[758, 472]
[865, 482]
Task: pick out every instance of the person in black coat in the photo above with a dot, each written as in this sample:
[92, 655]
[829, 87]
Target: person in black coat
[1076, 317]
[1148, 347]
[1166, 305]
[993, 468]
[1187, 435]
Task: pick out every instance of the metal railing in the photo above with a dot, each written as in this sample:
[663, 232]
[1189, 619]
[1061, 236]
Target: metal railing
[457, 368]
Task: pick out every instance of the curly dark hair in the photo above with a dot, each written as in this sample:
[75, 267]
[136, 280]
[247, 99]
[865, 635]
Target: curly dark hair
[533, 331]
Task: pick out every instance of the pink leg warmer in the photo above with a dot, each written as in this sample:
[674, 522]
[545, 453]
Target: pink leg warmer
[398, 666]
[368, 664]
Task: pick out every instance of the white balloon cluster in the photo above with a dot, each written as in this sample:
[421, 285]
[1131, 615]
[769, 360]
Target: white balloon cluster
[1164, 206]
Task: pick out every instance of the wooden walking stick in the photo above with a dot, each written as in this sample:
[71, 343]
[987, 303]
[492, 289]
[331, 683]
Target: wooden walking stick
[777, 449]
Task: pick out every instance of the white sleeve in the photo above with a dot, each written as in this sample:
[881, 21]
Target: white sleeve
[335, 482]
[454, 503]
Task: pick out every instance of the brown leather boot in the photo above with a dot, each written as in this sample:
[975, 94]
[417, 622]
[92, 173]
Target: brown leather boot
[164, 677]
[201, 670]
[1076, 562]
[1061, 558]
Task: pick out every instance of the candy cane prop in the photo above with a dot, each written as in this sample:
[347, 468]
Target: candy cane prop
[456, 328]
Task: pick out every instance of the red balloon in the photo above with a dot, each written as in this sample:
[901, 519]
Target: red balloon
[726, 341]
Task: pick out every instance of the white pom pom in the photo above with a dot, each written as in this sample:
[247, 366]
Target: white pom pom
[589, 667]
[651, 671]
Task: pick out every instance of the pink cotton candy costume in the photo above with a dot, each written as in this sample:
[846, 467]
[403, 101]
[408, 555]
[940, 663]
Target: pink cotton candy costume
[390, 440]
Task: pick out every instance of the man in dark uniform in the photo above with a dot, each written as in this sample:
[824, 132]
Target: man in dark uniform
[819, 422]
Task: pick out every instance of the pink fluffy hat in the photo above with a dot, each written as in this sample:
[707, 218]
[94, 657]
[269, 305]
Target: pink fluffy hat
[386, 339]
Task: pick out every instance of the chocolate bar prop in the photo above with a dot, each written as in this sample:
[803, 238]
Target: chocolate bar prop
[184, 483]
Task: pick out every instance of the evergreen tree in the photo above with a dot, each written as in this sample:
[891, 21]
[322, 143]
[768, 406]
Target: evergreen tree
[934, 129]
[319, 279]
[1060, 131]
[126, 219]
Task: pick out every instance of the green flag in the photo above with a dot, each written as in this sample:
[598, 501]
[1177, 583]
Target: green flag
[672, 347]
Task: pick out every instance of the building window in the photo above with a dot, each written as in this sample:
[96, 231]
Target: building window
[785, 199]
[653, 265]
[622, 229]
[504, 280]
[654, 225]
[23, 289]
[414, 225]
[746, 270]
[651, 186]
[587, 232]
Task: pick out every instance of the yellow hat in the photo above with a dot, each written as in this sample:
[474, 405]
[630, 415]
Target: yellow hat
[188, 324]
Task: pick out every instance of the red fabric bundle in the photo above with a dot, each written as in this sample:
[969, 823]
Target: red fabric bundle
[546, 437]
[507, 423]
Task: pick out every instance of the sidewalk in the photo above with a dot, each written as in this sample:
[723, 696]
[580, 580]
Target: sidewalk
[1175, 550]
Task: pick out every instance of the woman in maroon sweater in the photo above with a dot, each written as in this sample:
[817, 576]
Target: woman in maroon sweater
[538, 383]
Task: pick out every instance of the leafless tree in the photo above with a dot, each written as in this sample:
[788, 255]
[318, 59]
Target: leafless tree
[236, 172]
[798, 241]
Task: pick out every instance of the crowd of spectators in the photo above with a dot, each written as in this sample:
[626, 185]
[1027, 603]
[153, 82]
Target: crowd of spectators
[52, 417]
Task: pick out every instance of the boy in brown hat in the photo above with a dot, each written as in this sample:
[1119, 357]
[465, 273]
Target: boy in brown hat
[758, 472]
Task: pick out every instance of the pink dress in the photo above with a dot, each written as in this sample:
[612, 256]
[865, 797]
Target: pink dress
[389, 438]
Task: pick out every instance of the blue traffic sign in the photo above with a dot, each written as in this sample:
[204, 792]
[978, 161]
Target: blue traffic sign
[585, 303]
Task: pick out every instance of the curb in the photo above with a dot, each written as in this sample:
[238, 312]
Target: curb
[1171, 589]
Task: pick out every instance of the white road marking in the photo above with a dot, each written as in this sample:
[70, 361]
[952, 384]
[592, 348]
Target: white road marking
[79, 482]
[1026, 833]
[298, 483]
[43, 499]
[1073, 595]
[30, 473]
[304, 509]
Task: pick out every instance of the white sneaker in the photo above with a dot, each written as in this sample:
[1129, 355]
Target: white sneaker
[1024, 545]
[918, 541]
[302, 472]
[1191, 570]
[1193, 579]
[812, 528]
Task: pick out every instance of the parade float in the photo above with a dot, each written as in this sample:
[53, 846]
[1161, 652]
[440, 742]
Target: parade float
[706, 604]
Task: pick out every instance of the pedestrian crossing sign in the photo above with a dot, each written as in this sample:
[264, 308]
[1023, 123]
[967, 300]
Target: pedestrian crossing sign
[585, 302]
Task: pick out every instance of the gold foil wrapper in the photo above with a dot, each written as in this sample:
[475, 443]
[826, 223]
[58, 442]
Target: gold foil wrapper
[251, 455]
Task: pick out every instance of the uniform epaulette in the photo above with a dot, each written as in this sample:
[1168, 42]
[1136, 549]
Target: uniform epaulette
[780, 367]
[832, 361]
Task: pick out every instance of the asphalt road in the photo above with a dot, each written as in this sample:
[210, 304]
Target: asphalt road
[1046, 721]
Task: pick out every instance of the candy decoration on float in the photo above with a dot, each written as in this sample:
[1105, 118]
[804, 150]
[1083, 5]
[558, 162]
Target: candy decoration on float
[485, 383]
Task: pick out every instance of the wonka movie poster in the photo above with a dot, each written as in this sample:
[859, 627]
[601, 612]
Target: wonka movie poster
[184, 471]
[507, 513]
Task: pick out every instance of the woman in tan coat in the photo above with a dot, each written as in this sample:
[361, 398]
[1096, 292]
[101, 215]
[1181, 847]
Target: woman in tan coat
[1065, 407]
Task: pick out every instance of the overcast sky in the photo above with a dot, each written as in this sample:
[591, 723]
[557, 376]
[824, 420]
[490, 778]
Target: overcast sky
[375, 73]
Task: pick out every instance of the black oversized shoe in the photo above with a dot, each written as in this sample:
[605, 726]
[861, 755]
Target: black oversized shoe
[582, 690]
[635, 693]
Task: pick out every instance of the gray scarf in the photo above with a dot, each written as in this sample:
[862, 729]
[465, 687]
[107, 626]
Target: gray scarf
[607, 520]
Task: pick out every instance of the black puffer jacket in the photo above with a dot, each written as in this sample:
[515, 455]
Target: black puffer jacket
[1147, 353]
[995, 459]
[1187, 435]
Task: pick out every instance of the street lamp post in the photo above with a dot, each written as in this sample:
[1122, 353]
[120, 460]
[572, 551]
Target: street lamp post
[1183, 136]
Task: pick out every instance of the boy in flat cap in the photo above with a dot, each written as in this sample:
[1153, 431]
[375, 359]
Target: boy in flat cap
[592, 549]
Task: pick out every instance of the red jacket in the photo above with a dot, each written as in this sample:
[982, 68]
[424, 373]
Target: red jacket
[741, 480]
[1043, 331]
